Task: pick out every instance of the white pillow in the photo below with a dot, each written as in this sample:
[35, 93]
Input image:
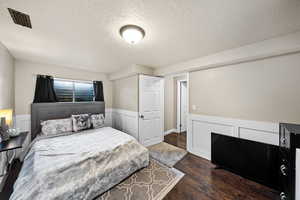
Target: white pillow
[97, 120]
[81, 122]
[56, 126]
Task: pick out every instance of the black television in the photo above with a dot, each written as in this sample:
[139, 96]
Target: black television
[252, 160]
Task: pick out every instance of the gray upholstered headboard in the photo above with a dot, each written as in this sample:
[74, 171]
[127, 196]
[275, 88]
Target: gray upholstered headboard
[45, 111]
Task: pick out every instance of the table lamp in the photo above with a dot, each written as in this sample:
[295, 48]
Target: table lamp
[5, 122]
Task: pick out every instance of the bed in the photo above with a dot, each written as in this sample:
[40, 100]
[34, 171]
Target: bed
[75, 166]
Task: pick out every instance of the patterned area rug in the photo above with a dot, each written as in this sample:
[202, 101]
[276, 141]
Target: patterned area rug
[150, 183]
[166, 153]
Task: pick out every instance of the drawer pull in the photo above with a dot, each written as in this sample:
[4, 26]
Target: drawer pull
[283, 170]
[283, 196]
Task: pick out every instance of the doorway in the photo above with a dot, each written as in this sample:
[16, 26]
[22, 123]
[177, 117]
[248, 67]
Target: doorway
[182, 106]
[176, 109]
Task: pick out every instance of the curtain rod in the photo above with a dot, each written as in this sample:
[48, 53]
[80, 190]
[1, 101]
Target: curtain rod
[66, 79]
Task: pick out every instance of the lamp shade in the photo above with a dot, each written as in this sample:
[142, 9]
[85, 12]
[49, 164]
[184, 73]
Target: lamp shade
[7, 114]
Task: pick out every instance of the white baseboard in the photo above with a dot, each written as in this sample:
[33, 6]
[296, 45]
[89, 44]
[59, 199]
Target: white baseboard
[201, 126]
[174, 130]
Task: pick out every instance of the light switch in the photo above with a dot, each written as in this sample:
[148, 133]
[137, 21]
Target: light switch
[194, 107]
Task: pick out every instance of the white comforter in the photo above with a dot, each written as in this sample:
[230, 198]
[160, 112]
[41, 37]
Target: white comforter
[78, 166]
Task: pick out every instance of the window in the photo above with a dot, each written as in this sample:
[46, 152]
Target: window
[73, 91]
[83, 91]
[63, 90]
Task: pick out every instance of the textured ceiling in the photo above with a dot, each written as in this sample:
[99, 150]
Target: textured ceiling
[85, 33]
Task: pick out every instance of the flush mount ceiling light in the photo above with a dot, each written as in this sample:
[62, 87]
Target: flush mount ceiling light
[132, 33]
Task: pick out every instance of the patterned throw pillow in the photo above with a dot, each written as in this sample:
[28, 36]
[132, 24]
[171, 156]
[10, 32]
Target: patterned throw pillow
[56, 126]
[81, 122]
[97, 120]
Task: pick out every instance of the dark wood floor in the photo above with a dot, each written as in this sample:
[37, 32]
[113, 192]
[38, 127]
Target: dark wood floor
[177, 139]
[202, 181]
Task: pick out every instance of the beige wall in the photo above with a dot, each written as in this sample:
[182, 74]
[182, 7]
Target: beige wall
[264, 90]
[170, 106]
[25, 75]
[6, 78]
[125, 93]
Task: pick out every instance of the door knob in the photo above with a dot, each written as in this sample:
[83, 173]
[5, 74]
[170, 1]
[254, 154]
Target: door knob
[283, 141]
[142, 116]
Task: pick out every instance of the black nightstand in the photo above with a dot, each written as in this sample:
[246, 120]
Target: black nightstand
[11, 145]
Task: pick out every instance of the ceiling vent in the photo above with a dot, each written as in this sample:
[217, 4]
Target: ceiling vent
[20, 18]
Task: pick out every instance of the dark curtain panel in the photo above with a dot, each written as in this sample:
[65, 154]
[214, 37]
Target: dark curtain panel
[98, 90]
[44, 90]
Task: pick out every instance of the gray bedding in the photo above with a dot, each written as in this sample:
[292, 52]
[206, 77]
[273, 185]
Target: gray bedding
[78, 166]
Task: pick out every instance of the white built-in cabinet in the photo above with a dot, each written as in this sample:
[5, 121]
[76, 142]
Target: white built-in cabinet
[201, 126]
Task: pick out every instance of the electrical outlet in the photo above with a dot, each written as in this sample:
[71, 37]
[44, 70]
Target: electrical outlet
[194, 107]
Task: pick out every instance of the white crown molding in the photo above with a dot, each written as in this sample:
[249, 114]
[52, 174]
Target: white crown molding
[131, 71]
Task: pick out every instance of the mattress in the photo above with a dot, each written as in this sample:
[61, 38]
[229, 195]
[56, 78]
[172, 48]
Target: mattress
[78, 166]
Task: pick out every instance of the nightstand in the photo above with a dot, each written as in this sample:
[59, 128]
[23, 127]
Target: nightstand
[11, 145]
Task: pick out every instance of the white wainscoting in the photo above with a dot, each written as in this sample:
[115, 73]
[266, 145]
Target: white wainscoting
[201, 126]
[126, 121]
[24, 124]
[108, 117]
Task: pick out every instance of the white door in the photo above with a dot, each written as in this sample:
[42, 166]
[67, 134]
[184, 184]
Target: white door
[151, 109]
[183, 106]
